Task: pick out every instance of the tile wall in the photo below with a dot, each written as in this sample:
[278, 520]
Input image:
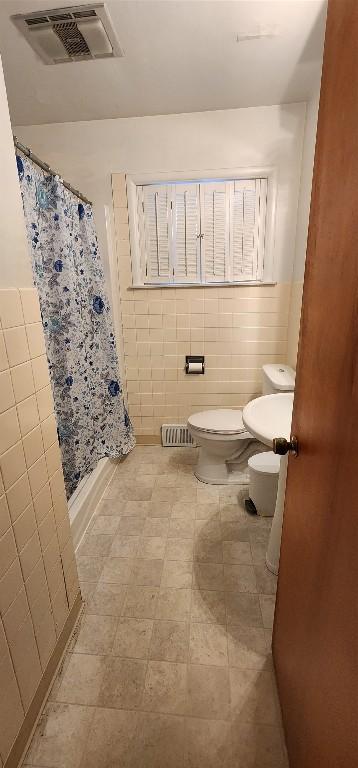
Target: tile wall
[237, 328]
[38, 576]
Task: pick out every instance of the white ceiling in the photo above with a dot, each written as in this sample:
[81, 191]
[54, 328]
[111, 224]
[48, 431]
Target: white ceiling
[179, 57]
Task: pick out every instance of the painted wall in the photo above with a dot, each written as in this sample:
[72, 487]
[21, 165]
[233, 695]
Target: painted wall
[15, 268]
[302, 228]
[87, 153]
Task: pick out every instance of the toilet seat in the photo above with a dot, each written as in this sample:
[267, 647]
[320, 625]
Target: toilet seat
[223, 421]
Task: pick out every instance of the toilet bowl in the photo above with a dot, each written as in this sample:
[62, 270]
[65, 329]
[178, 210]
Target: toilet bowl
[225, 444]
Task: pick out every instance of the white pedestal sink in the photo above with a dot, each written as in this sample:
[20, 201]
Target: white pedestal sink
[265, 418]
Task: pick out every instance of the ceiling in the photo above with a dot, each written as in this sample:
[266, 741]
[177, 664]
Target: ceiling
[179, 57]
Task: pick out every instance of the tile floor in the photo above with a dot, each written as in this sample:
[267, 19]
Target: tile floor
[171, 667]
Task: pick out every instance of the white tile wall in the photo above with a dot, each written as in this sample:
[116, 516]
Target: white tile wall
[237, 328]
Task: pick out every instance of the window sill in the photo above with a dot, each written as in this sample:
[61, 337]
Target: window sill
[252, 283]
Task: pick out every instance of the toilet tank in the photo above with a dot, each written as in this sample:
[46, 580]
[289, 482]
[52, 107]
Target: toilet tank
[277, 378]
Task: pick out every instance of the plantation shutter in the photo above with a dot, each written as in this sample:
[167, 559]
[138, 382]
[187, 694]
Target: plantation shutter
[214, 201]
[247, 228]
[155, 223]
[186, 230]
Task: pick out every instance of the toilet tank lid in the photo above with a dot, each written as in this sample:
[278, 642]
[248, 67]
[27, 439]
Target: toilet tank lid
[282, 377]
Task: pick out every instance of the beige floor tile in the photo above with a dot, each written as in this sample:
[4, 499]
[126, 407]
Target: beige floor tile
[181, 528]
[159, 509]
[208, 551]
[231, 512]
[177, 574]
[96, 634]
[169, 495]
[138, 493]
[253, 696]
[111, 740]
[237, 552]
[206, 511]
[95, 545]
[117, 570]
[208, 493]
[179, 549]
[147, 573]
[207, 744]
[165, 687]
[208, 692]
[208, 576]
[133, 638]
[123, 683]
[183, 510]
[107, 600]
[234, 530]
[150, 468]
[124, 546]
[173, 604]
[156, 526]
[152, 547]
[170, 641]
[140, 602]
[208, 607]
[208, 644]
[82, 680]
[208, 529]
[258, 542]
[61, 736]
[105, 524]
[239, 578]
[256, 746]
[168, 481]
[130, 526]
[160, 741]
[267, 603]
[89, 568]
[249, 648]
[266, 581]
[135, 509]
[87, 589]
[111, 507]
[243, 609]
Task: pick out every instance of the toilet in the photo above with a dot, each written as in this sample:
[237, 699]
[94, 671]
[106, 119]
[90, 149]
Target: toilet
[225, 444]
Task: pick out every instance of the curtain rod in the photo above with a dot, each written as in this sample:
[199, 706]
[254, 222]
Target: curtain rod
[46, 167]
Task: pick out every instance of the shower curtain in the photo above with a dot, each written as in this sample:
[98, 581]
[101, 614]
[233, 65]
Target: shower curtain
[92, 419]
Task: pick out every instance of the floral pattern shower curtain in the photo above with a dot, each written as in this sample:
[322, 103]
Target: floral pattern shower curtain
[92, 419]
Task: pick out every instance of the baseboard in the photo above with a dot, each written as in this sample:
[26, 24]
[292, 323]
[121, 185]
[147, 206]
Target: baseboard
[82, 506]
[23, 739]
[148, 440]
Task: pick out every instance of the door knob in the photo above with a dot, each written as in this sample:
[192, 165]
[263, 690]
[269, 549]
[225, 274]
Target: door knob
[281, 446]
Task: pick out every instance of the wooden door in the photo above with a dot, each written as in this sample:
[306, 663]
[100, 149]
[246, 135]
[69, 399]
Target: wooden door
[316, 622]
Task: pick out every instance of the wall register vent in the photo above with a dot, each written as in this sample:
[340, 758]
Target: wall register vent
[79, 33]
[176, 435]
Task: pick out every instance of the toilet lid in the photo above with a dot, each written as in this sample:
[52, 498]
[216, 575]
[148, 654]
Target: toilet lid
[224, 420]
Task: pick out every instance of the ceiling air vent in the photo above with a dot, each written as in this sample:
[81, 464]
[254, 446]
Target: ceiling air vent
[77, 33]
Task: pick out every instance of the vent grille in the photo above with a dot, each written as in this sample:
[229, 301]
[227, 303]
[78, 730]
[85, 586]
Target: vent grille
[176, 435]
[36, 20]
[87, 13]
[75, 33]
[72, 39]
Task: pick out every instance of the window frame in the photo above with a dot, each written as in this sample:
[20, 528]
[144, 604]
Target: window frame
[134, 179]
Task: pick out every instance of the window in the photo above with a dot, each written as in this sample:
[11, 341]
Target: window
[201, 232]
